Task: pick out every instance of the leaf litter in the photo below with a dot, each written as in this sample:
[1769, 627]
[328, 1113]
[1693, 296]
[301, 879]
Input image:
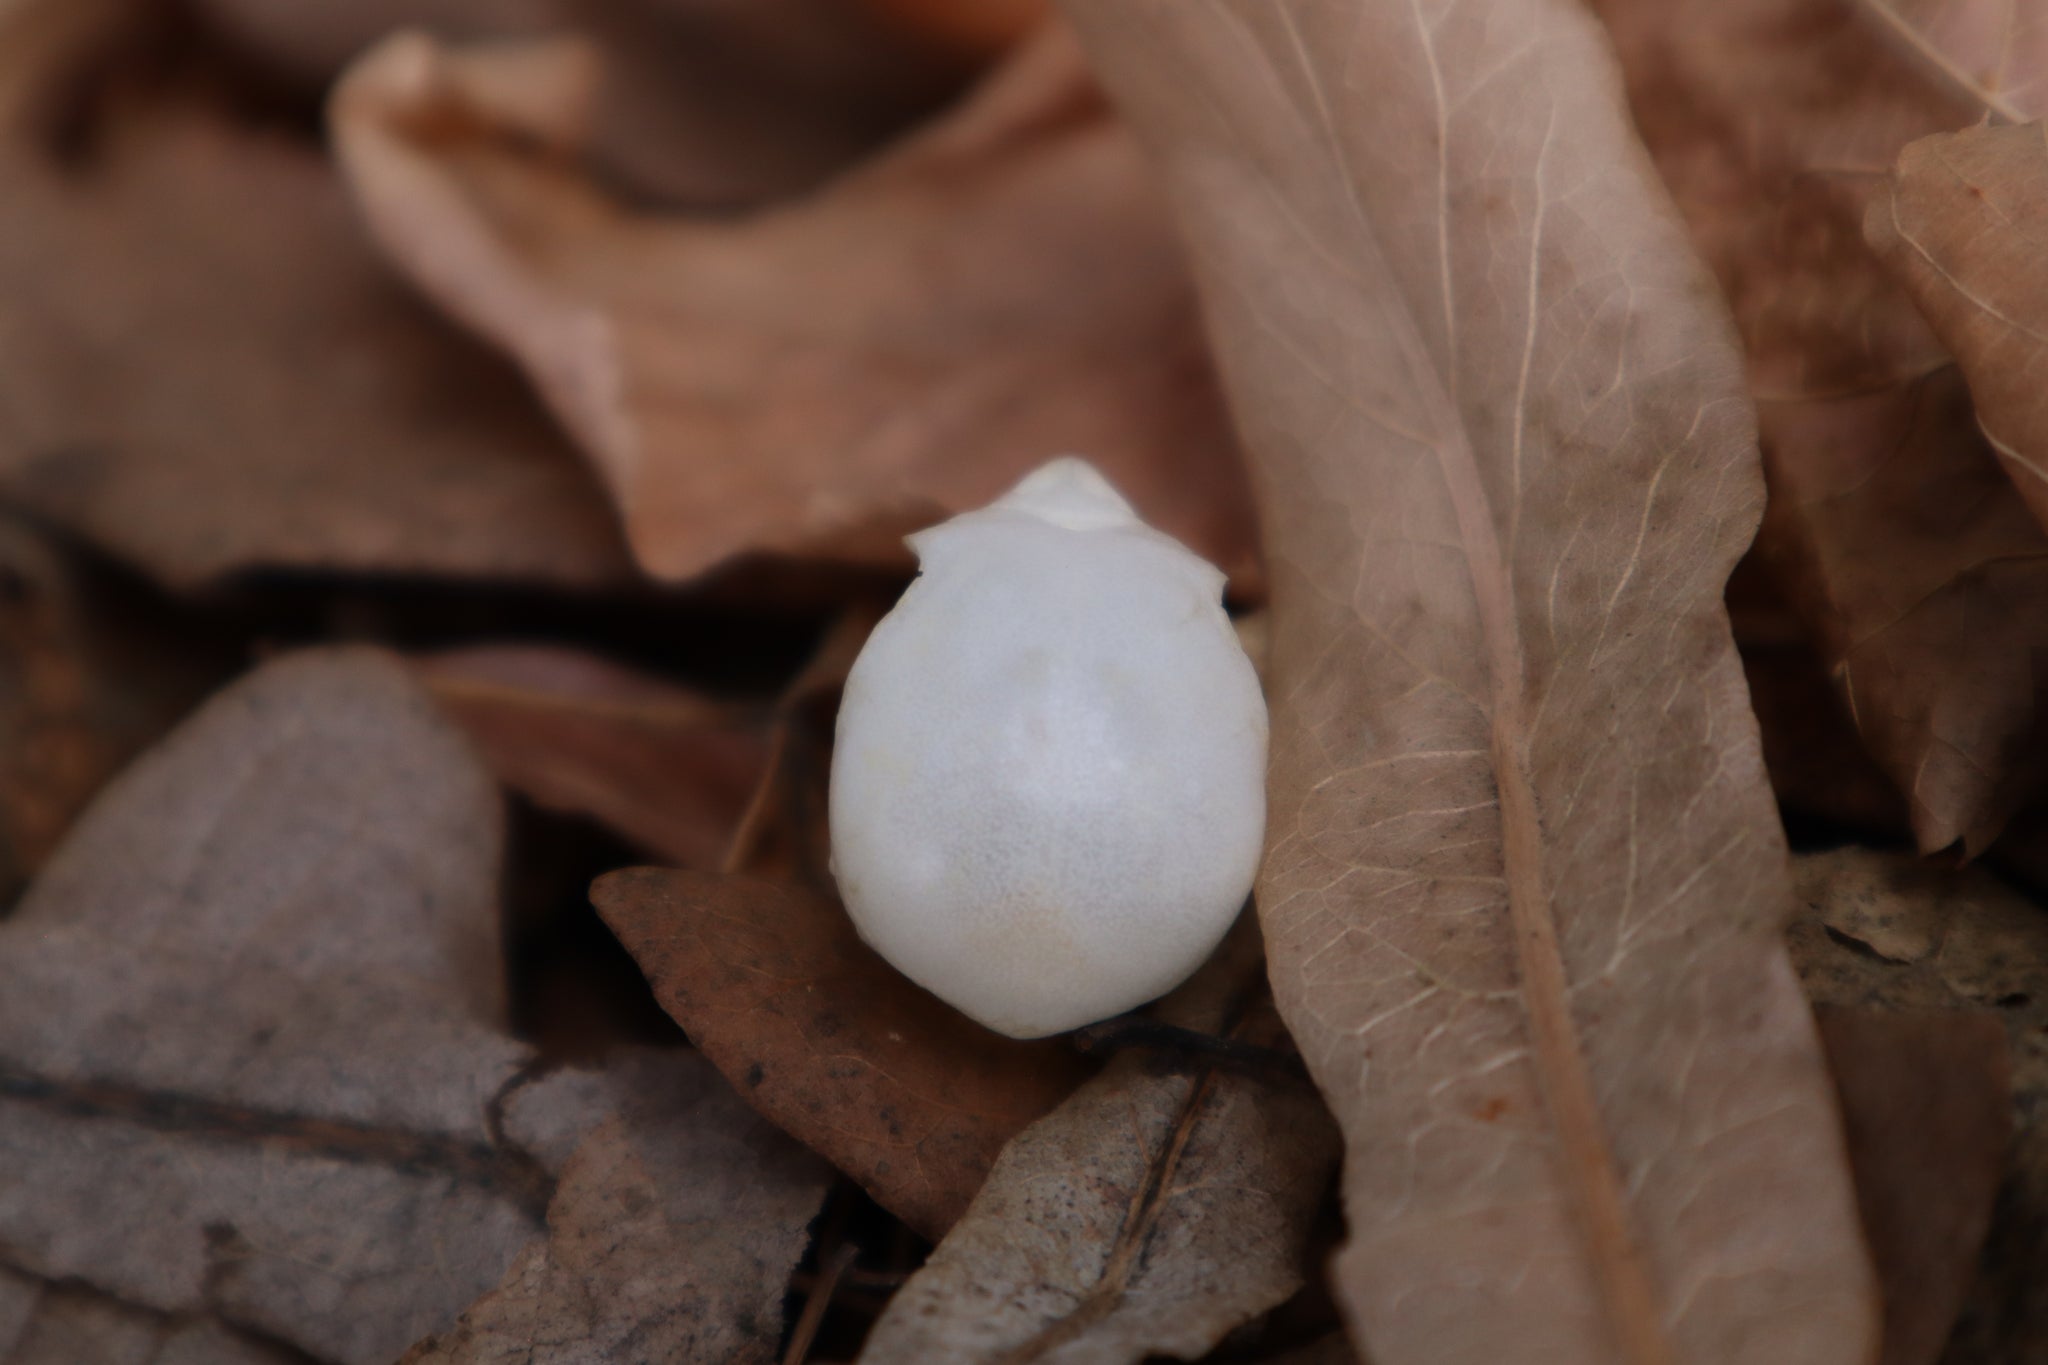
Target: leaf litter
[592, 357]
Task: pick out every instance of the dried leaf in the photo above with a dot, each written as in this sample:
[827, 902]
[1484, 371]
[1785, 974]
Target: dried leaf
[628, 1271]
[46, 1324]
[1959, 229]
[1016, 293]
[980, 27]
[250, 1037]
[709, 103]
[1926, 1100]
[667, 768]
[204, 368]
[1524, 884]
[895, 1088]
[1880, 931]
[1819, 770]
[89, 674]
[1330, 1350]
[1150, 1214]
[1915, 565]
[1991, 55]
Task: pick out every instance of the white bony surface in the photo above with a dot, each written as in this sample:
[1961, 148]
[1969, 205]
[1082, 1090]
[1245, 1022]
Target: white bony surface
[1048, 792]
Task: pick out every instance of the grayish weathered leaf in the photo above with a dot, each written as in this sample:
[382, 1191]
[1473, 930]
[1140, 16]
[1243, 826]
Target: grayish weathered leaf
[1149, 1214]
[671, 1237]
[250, 1035]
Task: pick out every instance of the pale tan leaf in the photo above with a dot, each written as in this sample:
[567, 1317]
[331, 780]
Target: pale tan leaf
[1917, 568]
[1961, 226]
[1151, 1213]
[1525, 882]
[1993, 53]
[821, 377]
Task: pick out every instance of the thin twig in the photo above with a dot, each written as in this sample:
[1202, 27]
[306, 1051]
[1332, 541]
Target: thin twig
[837, 1264]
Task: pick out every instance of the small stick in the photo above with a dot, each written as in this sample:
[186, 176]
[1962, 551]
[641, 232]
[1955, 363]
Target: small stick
[837, 1264]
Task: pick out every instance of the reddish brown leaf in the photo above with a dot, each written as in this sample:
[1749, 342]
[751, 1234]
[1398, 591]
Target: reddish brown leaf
[1926, 1100]
[1916, 567]
[1961, 228]
[205, 368]
[1524, 887]
[813, 1029]
[825, 376]
[669, 769]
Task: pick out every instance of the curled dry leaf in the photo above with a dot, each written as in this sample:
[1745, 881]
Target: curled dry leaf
[628, 1271]
[813, 1029]
[1889, 933]
[1917, 568]
[1014, 293]
[309, 414]
[1524, 883]
[1962, 229]
[1154, 1211]
[708, 102]
[667, 768]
